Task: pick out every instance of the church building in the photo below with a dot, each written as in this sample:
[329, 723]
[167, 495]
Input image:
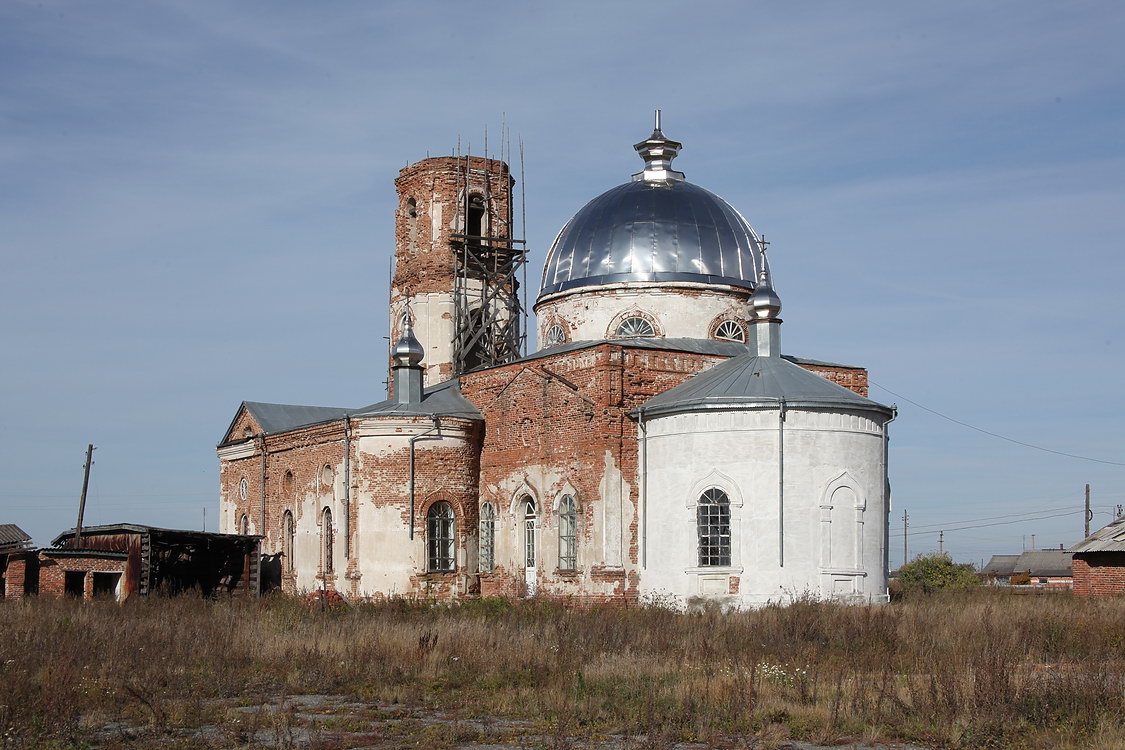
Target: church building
[659, 445]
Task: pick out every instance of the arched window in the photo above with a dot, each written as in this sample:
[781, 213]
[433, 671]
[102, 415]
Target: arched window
[327, 479]
[529, 533]
[244, 524]
[487, 538]
[439, 538]
[568, 534]
[243, 488]
[731, 330]
[555, 335]
[713, 524]
[633, 327]
[328, 535]
[288, 534]
[474, 226]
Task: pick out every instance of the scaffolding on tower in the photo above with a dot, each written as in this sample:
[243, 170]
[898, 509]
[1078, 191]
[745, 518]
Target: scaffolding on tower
[489, 318]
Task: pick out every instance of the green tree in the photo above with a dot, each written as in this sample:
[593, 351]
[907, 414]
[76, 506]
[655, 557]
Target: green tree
[926, 574]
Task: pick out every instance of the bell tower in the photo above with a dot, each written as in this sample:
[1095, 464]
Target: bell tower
[456, 264]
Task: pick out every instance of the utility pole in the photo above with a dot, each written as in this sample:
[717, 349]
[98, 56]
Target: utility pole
[905, 526]
[205, 518]
[1033, 541]
[82, 500]
[941, 542]
[1088, 515]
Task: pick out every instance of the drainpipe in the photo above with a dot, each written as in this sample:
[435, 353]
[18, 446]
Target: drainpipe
[781, 483]
[887, 496]
[644, 487]
[413, 440]
[347, 489]
[262, 448]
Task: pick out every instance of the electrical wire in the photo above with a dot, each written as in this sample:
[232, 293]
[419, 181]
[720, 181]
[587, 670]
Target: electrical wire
[994, 434]
[985, 525]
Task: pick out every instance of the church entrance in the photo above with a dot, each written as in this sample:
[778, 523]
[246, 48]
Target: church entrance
[529, 532]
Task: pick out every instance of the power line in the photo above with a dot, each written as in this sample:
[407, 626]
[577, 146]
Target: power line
[996, 523]
[947, 524]
[994, 434]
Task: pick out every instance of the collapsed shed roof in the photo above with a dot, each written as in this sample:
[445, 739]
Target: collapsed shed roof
[13, 538]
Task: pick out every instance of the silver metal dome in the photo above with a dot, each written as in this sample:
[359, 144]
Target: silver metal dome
[657, 228]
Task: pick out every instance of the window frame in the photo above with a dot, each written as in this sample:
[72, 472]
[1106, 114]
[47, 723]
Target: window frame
[732, 324]
[327, 541]
[617, 330]
[568, 533]
[288, 541]
[486, 543]
[714, 543]
[441, 529]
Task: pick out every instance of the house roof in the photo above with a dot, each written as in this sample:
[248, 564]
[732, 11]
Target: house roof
[1109, 538]
[13, 537]
[749, 379]
[1000, 565]
[1044, 562]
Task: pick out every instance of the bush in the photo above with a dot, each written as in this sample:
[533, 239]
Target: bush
[927, 574]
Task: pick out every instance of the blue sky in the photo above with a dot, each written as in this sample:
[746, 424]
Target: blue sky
[196, 206]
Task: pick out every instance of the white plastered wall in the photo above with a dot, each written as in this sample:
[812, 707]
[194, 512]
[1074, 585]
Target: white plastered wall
[386, 555]
[830, 458]
[682, 310]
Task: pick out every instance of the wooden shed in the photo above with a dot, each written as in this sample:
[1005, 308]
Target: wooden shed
[121, 560]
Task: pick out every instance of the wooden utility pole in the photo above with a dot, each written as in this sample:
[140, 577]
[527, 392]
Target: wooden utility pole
[905, 548]
[1088, 515]
[85, 485]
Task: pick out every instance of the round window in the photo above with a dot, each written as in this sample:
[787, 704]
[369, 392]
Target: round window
[243, 488]
[637, 326]
[731, 330]
[555, 335]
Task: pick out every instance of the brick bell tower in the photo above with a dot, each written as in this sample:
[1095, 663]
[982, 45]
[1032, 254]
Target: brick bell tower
[456, 264]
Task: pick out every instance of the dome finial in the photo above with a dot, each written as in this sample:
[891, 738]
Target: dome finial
[407, 352]
[658, 153]
[765, 326]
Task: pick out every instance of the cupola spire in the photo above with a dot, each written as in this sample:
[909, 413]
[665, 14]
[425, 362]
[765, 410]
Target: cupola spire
[658, 151]
[765, 326]
[407, 370]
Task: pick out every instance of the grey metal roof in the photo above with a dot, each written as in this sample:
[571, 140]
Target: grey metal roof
[12, 536]
[275, 418]
[1000, 565]
[1109, 538]
[1044, 562]
[654, 231]
[443, 400]
[749, 379]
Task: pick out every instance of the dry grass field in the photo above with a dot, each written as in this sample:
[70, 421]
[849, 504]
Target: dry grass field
[979, 669]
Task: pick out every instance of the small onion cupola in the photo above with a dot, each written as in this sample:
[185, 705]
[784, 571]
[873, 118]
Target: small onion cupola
[407, 368]
[765, 326]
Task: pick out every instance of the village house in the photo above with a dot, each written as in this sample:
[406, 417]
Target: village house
[1099, 562]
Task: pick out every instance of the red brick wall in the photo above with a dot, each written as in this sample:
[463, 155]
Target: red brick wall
[21, 574]
[52, 573]
[1099, 573]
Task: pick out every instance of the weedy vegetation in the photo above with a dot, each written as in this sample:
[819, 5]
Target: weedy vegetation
[971, 669]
